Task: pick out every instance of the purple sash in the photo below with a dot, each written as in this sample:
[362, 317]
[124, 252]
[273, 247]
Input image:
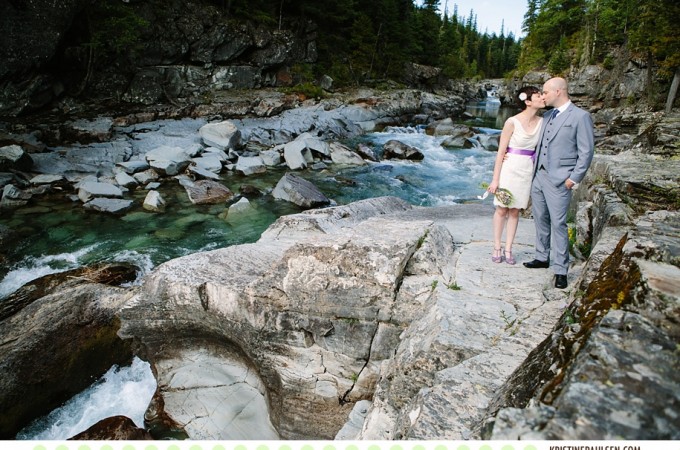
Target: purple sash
[522, 151]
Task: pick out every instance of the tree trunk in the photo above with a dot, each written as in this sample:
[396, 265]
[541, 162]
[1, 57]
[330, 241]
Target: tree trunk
[673, 91]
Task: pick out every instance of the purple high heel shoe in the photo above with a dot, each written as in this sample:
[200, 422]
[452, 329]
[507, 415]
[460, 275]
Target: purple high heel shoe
[497, 256]
[509, 258]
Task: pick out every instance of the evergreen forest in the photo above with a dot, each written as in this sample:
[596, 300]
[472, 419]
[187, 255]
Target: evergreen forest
[361, 41]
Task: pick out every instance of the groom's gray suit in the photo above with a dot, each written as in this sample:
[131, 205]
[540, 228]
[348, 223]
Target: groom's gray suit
[564, 151]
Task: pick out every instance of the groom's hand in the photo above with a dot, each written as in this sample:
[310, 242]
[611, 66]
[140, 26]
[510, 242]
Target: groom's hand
[569, 184]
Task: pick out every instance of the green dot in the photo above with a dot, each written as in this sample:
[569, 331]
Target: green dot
[374, 447]
[195, 447]
[396, 447]
[352, 447]
[485, 447]
[84, 447]
[329, 447]
[151, 447]
[284, 447]
[440, 447]
[62, 447]
[418, 447]
[128, 447]
[463, 447]
[38, 447]
[508, 447]
[218, 447]
[262, 447]
[107, 447]
[240, 447]
[307, 447]
[173, 447]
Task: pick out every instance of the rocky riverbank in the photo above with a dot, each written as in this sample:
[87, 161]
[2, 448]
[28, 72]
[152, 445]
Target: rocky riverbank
[380, 320]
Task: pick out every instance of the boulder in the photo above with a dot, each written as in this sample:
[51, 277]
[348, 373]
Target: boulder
[366, 152]
[109, 205]
[146, 176]
[331, 317]
[14, 157]
[446, 127]
[73, 340]
[489, 141]
[47, 179]
[271, 158]
[210, 161]
[394, 149]
[297, 190]
[126, 181]
[168, 160]
[250, 165]
[204, 192]
[154, 202]
[341, 154]
[201, 172]
[116, 428]
[13, 197]
[239, 209]
[222, 135]
[90, 189]
[132, 167]
[297, 155]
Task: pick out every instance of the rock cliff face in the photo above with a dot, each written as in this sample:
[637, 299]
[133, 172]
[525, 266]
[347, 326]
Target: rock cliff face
[182, 50]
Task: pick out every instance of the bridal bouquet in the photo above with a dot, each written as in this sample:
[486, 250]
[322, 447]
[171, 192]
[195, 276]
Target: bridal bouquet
[503, 195]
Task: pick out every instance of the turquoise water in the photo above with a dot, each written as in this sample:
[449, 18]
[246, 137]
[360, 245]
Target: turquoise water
[57, 234]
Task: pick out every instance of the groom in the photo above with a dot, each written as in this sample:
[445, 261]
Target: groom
[563, 155]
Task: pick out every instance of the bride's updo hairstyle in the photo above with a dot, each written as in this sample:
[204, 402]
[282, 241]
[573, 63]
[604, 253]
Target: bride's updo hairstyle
[525, 94]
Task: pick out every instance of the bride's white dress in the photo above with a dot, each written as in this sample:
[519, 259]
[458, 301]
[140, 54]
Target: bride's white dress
[517, 170]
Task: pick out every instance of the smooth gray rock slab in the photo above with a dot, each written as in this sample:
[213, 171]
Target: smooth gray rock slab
[201, 172]
[126, 181]
[47, 179]
[90, 189]
[341, 154]
[250, 165]
[297, 190]
[132, 167]
[223, 135]
[109, 205]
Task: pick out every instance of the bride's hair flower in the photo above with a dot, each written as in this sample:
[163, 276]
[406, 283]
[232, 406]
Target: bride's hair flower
[523, 96]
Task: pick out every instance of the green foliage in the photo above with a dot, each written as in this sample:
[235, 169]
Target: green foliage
[565, 32]
[307, 89]
[559, 62]
[114, 26]
[453, 286]
[434, 284]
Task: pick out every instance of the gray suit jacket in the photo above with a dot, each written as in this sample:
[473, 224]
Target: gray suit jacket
[568, 146]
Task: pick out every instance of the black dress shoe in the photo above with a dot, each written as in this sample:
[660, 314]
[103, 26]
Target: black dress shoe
[537, 264]
[560, 281]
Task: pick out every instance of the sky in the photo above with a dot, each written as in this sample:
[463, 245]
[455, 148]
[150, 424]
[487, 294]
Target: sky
[491, 13]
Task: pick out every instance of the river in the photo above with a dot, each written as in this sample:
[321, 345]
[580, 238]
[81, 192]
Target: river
[70, 237]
